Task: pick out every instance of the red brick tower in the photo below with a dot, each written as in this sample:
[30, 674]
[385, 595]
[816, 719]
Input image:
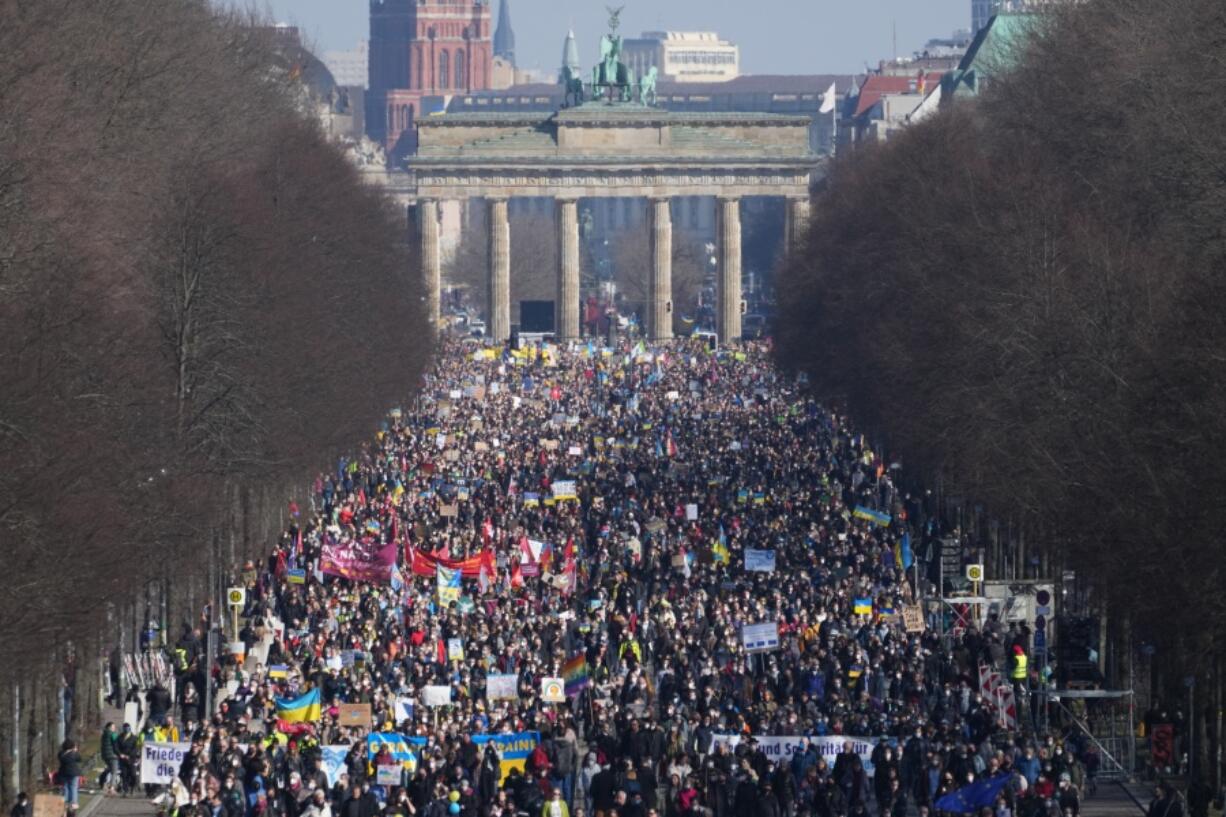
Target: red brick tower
[421, 51]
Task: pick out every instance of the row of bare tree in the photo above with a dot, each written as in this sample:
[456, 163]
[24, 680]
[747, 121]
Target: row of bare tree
[1025, 295]
[200, 305]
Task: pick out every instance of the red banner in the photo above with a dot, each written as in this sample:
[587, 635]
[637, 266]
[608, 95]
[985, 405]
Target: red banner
[424, 564]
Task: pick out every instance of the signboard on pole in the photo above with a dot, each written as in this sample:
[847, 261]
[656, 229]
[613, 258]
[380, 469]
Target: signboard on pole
[760, 637]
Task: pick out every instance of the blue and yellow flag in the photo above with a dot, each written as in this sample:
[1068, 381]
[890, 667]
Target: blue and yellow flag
[302, 709]
[862, 606]
[876, 517]
[402, 749]
[903, 556]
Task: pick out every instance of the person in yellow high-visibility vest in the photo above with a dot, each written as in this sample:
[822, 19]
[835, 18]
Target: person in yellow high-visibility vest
[1018, 670]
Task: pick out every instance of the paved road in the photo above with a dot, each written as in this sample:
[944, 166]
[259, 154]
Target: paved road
[118, 807]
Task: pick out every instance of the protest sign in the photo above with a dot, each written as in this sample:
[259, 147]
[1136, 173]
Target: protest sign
[353, 714]
[436, 695]
[553, 690]
[160, 762]
[760, 637]
[782, 747]
[514, 748]
[404, 709]
[502, 687]
[759, 561]
[913, 618]
[332, 762]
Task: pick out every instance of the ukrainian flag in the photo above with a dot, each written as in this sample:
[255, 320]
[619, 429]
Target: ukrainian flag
[862, 607]
[302, 709]
[876, 517]
[903, 557]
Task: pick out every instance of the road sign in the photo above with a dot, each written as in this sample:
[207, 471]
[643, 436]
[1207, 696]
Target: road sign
[974, 573]
[236, 596]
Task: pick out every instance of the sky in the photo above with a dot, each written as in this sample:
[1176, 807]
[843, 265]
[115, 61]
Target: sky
[775, 36]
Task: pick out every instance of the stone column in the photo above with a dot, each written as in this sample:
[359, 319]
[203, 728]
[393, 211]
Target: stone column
[728, 234]
[797, 222]
[500, 271]
[566, 308]
[431, 264]
[660, 290]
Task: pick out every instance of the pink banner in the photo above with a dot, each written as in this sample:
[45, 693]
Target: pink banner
[358, 561]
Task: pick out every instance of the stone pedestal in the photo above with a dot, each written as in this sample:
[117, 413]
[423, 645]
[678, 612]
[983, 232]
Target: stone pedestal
[728, 234]
[660, 291]
[500, 271]
[797, 222]
[431, 264]
[566, 307]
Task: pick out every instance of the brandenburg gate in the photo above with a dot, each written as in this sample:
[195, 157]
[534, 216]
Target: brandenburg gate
[608, 148]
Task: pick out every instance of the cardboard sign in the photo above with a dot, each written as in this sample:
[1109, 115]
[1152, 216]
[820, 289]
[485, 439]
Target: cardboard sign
[353, 714]
[481, 447]
[449, 510]
[913, 618]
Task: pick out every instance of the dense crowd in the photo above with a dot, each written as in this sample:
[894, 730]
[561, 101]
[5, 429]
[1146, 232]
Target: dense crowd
[682, 458]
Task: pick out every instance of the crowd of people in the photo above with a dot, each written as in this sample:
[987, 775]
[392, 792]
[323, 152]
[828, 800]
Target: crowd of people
[631, 585]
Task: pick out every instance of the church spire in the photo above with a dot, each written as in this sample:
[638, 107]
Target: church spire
[504, 37]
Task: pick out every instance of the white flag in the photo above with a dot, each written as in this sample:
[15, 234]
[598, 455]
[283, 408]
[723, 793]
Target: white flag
[828, 100]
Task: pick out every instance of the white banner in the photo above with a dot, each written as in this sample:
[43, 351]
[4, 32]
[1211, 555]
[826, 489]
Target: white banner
[782, 747]
[160, 762]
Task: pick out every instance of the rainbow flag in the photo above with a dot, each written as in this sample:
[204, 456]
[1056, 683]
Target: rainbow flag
[576, 675]
[302, 709]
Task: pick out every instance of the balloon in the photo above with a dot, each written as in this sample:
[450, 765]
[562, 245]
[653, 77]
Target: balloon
[454, 808]
[454, 796]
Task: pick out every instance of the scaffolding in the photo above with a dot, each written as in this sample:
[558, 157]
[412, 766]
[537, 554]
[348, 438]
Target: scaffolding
[1107, 718]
